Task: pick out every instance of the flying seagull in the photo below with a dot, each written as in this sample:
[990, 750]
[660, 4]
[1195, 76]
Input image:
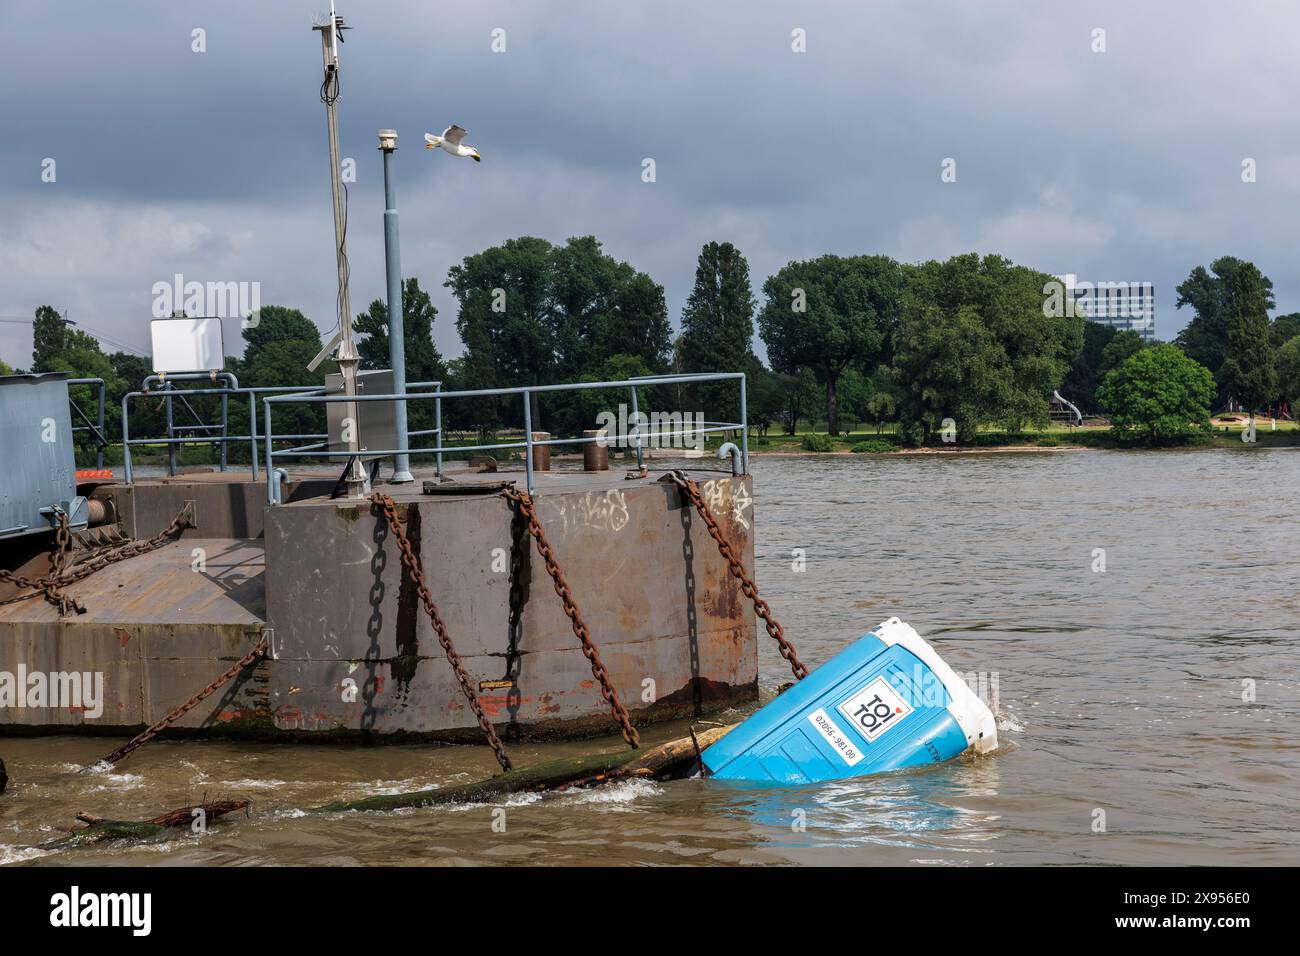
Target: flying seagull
[450, 143]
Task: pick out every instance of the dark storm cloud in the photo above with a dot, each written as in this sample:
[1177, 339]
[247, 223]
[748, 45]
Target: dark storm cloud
[1123, 165]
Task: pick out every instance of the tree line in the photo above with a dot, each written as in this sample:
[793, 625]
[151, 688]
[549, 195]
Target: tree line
[966, 343]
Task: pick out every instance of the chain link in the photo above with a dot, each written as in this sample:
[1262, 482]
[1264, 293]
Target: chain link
[692, 493]
[60, 576]
[412, 561]
[256, 654]
[523, 503]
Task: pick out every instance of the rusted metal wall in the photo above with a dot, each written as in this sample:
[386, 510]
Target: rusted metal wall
[157, 628]
[355, 652]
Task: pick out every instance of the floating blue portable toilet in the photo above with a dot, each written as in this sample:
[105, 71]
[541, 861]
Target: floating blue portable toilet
[886, 702]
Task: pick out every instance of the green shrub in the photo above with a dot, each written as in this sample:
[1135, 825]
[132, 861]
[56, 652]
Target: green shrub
[873, 446]
[816, 441]
[1049, 441]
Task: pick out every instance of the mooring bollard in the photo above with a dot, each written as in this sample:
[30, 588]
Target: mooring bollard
[541, 453]
[595, 454]
[4, 777]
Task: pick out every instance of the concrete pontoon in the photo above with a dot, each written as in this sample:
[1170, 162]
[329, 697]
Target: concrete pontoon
[352, 652]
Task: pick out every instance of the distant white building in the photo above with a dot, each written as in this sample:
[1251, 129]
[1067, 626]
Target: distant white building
[1121, 305]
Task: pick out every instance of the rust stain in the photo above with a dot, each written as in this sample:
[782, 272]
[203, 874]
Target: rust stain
[495, 704]
[123, 635]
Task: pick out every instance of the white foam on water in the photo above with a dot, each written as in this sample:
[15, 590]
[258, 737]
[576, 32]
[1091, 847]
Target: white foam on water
[117, 782]
[617, 796]
[20, 854]
[1007, 721]
[253, 784]
[512, 800]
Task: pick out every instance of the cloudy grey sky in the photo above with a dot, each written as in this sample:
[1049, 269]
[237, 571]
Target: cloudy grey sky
[1122, 165]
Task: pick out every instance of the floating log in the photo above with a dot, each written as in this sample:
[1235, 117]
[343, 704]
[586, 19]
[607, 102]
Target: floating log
[673, 759]
[676, 758]
[98, 829]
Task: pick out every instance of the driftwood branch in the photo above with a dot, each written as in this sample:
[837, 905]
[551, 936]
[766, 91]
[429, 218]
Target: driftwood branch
[673, 759]
[677, 758]
[99, 829]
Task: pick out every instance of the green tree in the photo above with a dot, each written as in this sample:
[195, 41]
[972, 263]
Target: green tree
[1159, 395]
[1283, 329]
[424, 363]
[799, 393]
[1123, 346]
[1287, 361]
[1211, 294]
[823, 314]
[718, 327]
[59, 347]
[1247, 372]
[5, 369]
[276, 352]
[1086, 371]
[601, 307]
[948, 364]
[979, 344]
[855, 394]
[530, 313]
[766, 397]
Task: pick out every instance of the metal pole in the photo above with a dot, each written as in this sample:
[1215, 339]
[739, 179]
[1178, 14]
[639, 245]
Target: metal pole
[437, 423]
[396, 335]
[225, 430]
[270, 462]
[528, 439]
[252, 430]
[744, 430]
[640, 460]
[126, 441]
[171, 447]
[357, 481]
[99, 457]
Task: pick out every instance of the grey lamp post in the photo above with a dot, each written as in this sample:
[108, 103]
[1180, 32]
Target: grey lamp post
[396, 335]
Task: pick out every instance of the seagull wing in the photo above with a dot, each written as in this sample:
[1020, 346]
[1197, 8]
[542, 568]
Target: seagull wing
[430, 138]
[453, 134]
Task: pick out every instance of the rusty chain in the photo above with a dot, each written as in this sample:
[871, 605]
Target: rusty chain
[53, 587]
[523, 503]
[412, 562]
[131, 549]
[692, 493]
[60, 577]
[256, 654]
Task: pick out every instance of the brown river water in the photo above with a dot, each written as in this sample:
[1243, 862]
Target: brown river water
[1119, 692]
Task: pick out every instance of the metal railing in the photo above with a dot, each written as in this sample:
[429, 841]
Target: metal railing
[262, 451]
[173, 442]
[528, 444]
[96, 428]
[178, 435]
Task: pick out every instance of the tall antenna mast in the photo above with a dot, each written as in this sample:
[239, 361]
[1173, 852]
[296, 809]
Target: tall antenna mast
[356, 479]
